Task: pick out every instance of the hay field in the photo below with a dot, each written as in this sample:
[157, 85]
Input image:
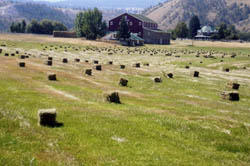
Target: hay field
[181, 121]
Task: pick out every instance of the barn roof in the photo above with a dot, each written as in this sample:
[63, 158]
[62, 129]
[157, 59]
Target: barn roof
[135, 37]
[143, 18]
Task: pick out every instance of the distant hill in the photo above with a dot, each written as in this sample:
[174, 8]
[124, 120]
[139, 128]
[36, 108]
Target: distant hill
[10, 12]
[16, 11]
[210, 12]
[105, 3]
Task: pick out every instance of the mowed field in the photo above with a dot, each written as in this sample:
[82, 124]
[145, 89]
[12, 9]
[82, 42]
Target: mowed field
[181, 121]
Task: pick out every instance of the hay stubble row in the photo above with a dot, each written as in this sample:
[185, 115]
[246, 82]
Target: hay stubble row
[179, 103]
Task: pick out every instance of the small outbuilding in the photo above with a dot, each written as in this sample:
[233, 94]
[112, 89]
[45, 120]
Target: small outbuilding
[134, 40]
[64, 34]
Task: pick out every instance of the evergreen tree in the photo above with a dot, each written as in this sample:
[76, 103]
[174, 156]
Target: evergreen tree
[12, 27]
[23, 26]
[222, 30]
[181, 30]
[123, 31]
[16, 27]
[194, 26]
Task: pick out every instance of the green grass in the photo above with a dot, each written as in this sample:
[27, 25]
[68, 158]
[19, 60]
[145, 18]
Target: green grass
[181, 121]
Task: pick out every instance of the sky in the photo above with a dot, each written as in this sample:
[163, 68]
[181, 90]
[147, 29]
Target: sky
[105, 3]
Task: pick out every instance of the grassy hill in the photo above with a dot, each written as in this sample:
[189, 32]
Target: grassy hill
[211, 12]
[181, 121]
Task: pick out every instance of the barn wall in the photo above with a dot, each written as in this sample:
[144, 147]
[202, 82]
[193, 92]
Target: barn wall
[134, 28]
[156, 37]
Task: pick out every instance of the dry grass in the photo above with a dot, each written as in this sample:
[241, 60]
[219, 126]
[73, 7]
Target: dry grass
[181, 121]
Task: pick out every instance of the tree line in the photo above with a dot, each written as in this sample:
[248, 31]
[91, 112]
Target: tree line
[224, 31]
[90, 24]
[42, 27]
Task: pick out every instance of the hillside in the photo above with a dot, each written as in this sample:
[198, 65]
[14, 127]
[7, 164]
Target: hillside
[211, 12]
[10, 12]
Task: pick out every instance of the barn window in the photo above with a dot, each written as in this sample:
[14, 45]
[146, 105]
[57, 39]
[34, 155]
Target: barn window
[131, 23]
[111, 23]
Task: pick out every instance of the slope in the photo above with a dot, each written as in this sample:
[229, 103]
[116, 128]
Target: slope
[210, 12]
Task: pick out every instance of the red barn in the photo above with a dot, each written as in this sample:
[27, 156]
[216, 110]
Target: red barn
[139, 25]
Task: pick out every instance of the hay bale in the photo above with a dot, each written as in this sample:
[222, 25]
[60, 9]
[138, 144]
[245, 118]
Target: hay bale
[52, 77]
[122, 66]
[49, 63]
[233, 85]
[233, 96]
[195, 74]
[112, 97]
[65, 60]
[123, 82]
[21, 64]
[88, 72]
[22, 57]
[77, 60]
[157, 79]
[47, 117]
[170, 75]
[137, 65]
[98, 67]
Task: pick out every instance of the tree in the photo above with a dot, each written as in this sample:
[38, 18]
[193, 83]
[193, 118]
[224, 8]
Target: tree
[194, 26]
[123, 31]
[79, 24]
[34, 27]
[57, 26]
[12, 27]
[222, 30]
[23, 26]
[16, 27]
[90, 24]
[45, 27]
[181, 30]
